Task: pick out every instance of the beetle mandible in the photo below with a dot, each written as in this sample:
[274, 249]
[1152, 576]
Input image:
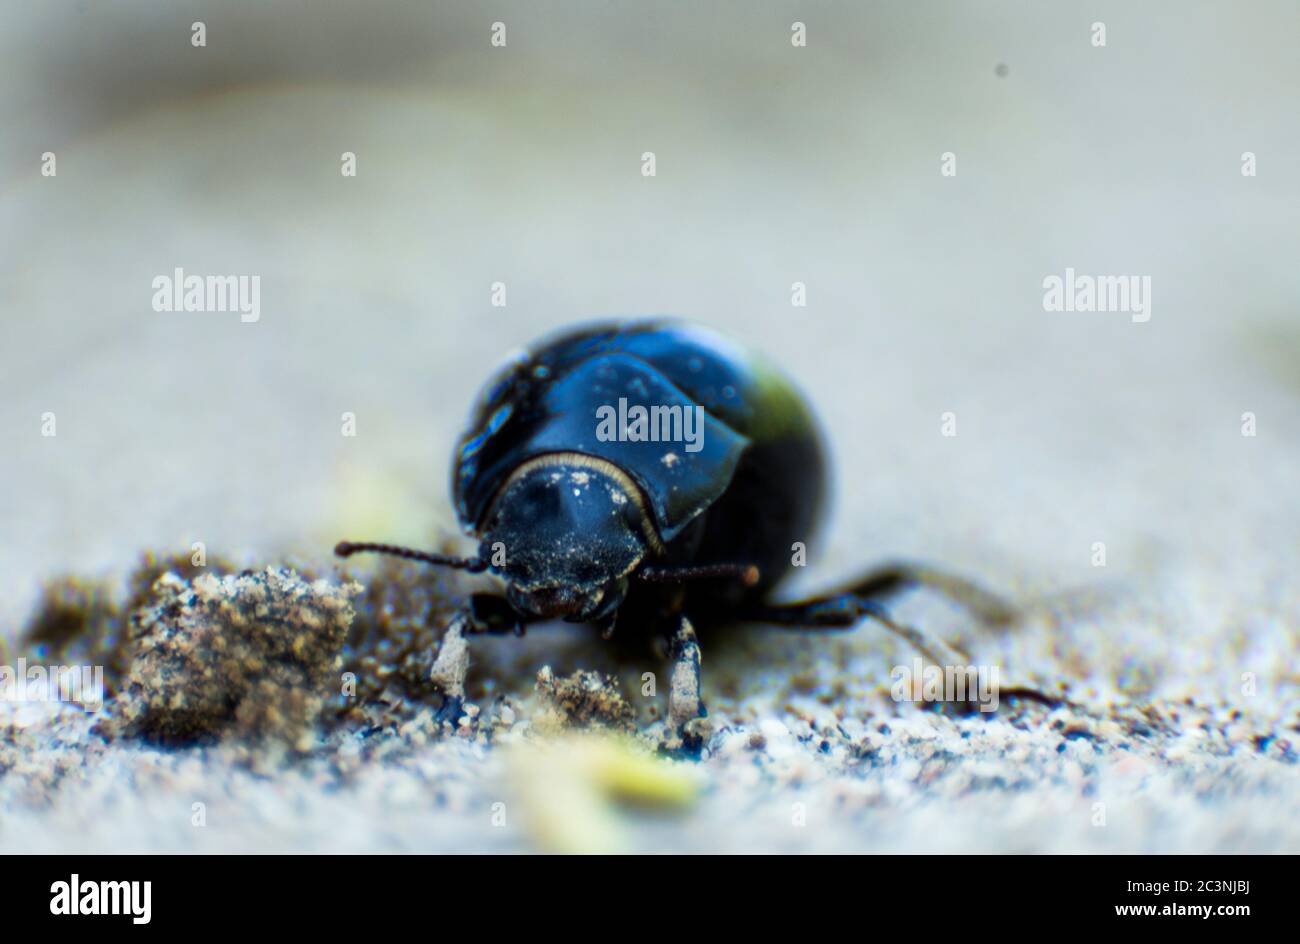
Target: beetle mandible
[689, 516]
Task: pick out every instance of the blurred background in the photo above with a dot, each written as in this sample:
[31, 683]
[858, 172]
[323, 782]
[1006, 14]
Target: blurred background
[775, 165]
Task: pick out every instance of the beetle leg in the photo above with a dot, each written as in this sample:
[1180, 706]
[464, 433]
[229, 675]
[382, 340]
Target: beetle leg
[684, 687]
[449, 670]
[487, 613]
[844, 611]
[687, 727]
[892, 578]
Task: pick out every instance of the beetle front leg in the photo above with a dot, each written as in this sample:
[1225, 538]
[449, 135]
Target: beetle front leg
[486, 613]
[687, 726]
[450, 668]
[684, 704]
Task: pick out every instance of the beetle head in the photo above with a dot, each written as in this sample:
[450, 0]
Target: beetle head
[564, 533]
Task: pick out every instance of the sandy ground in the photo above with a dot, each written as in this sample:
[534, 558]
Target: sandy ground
[775, 165]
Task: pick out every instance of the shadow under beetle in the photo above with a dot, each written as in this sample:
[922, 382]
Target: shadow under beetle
[692, 514]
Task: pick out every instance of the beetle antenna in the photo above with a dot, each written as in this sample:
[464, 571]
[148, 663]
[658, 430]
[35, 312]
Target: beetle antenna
[474, 565]
[746, 573]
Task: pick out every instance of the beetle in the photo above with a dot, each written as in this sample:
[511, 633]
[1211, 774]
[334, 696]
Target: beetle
[644, 477]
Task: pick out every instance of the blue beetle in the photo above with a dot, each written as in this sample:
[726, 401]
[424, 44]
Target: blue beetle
[642, 476]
